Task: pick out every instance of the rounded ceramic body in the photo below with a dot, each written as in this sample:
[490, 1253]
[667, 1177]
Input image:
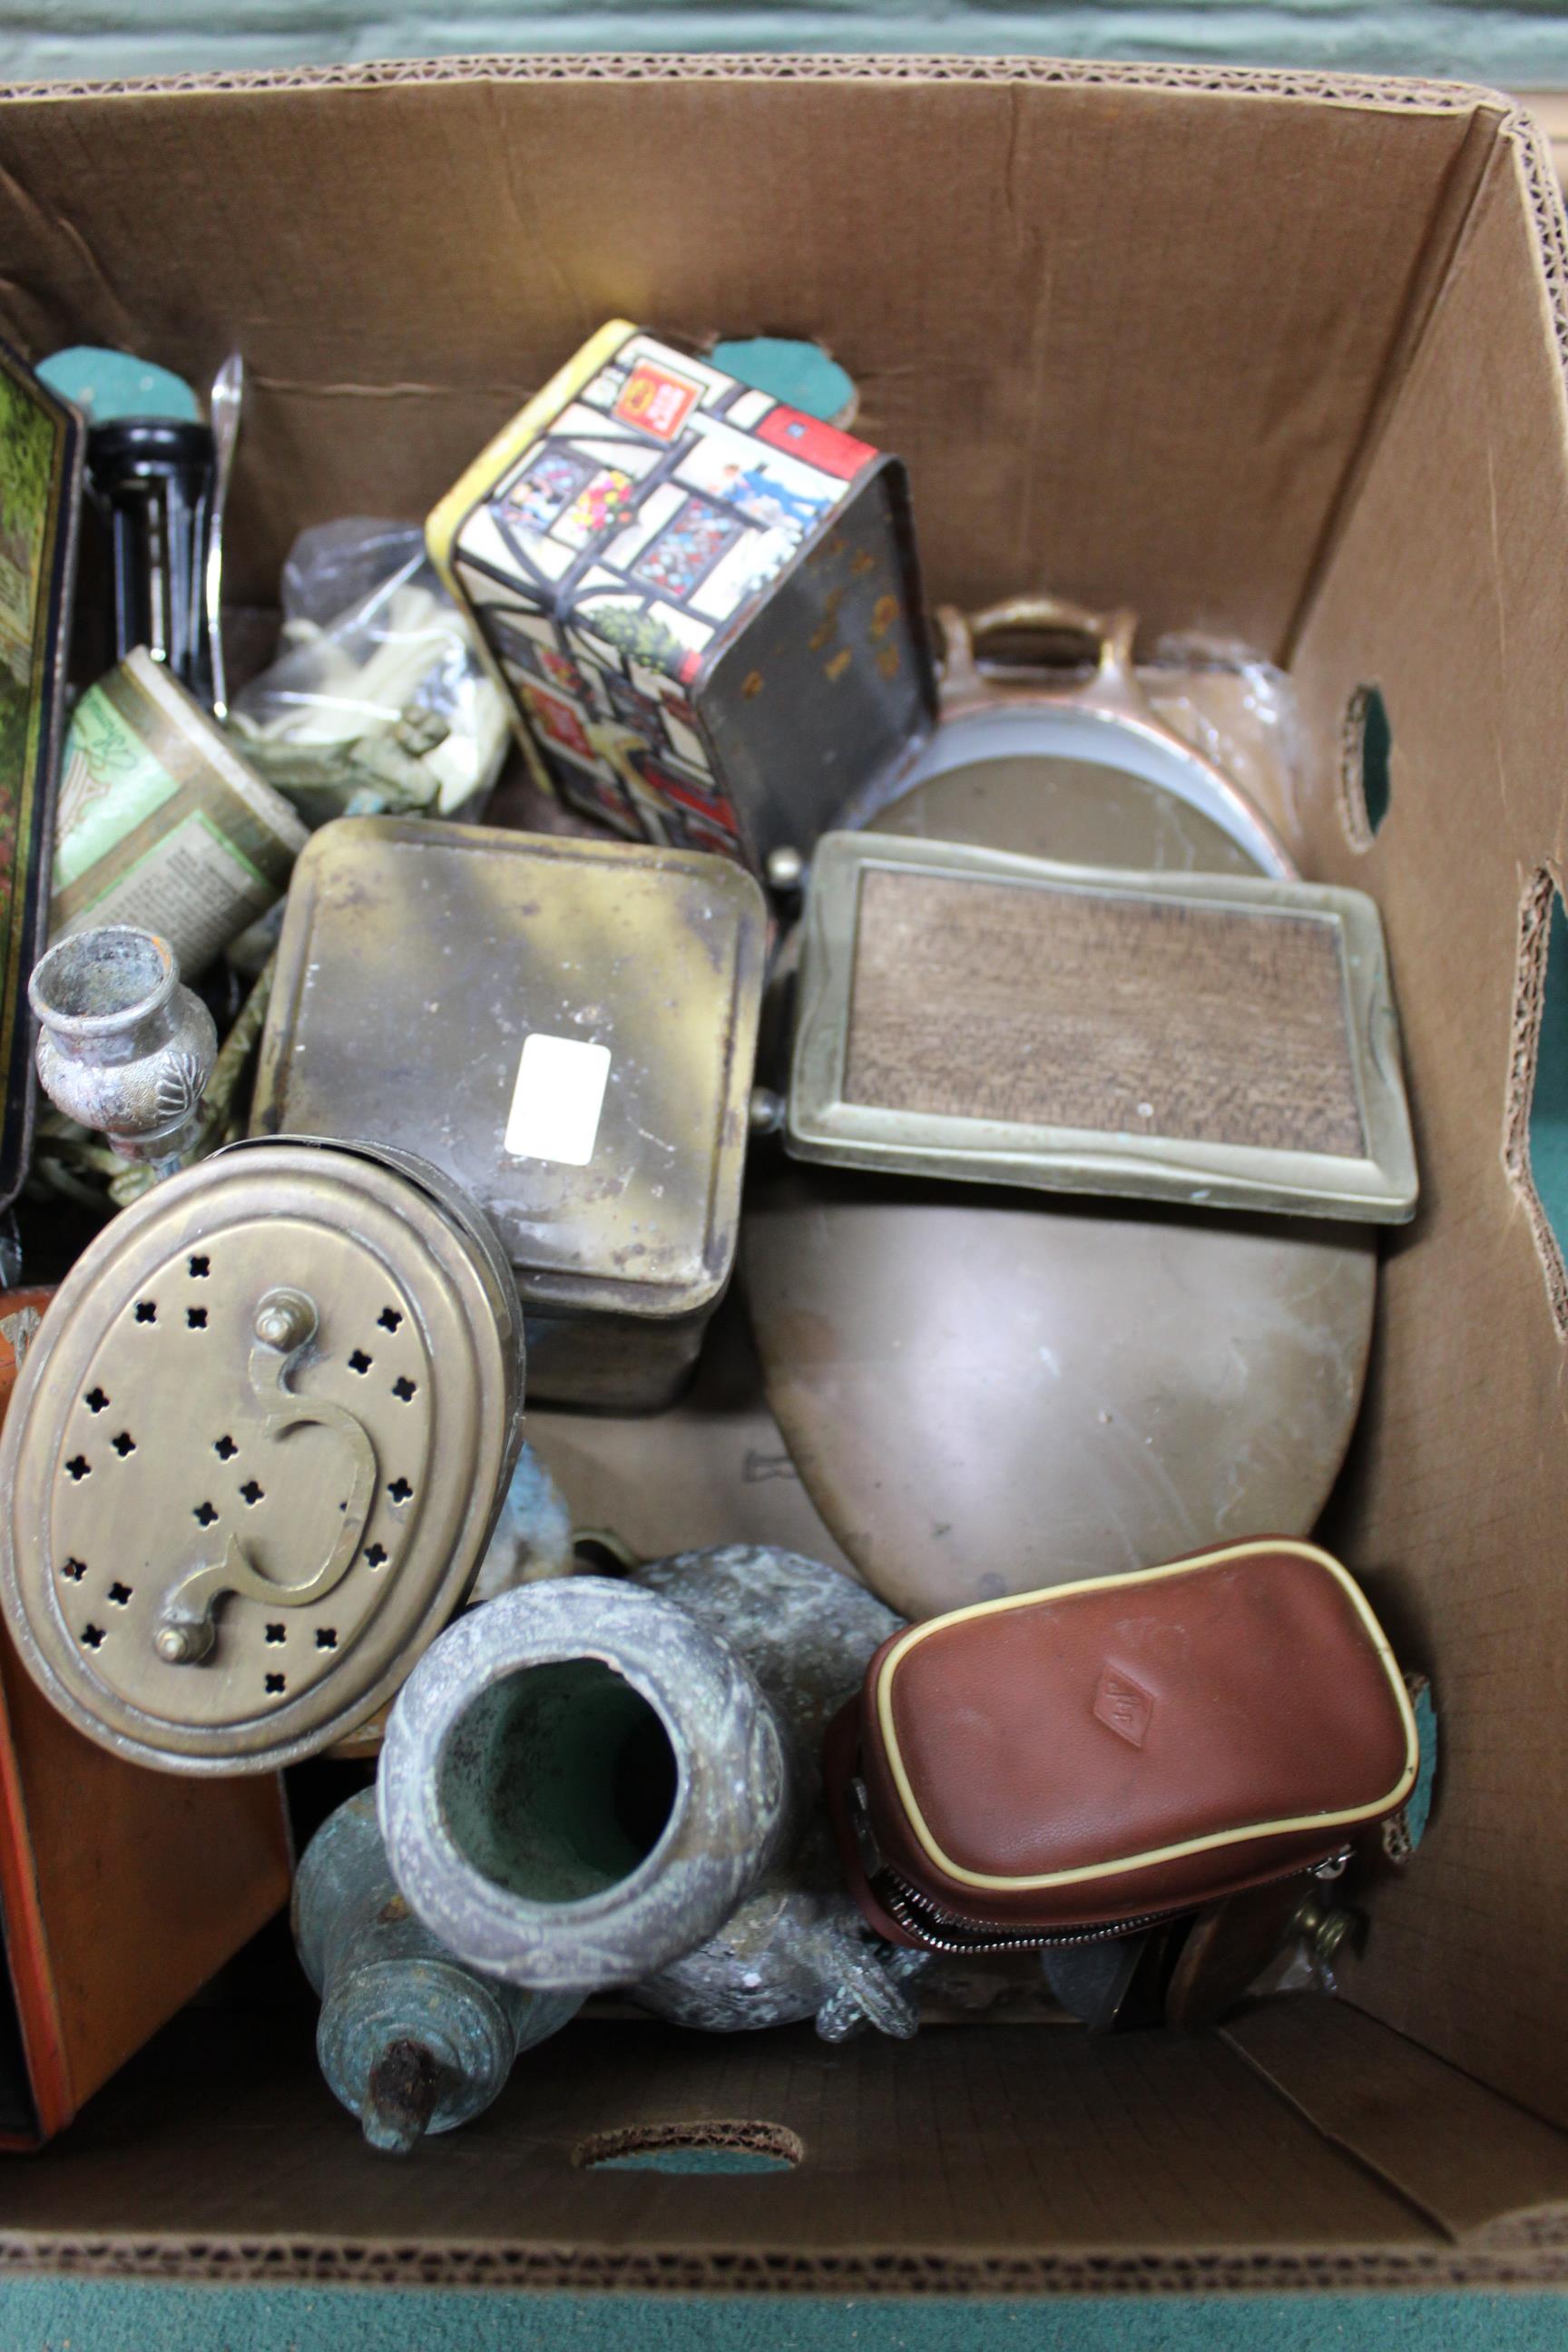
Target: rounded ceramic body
[124, 1047]
[580, 1783]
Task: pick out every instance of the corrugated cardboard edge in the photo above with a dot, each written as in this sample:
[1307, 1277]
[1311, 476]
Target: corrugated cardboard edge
[941, 2271]
[1450, 2152]
[1360, 90]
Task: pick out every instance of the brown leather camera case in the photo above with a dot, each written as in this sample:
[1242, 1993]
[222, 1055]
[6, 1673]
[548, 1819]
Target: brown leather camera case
[1133, 1746]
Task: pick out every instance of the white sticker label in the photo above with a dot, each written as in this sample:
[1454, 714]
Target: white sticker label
[557, 1100]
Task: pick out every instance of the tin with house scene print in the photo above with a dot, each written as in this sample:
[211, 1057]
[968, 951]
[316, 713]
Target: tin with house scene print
[704, 604]
[40, 500]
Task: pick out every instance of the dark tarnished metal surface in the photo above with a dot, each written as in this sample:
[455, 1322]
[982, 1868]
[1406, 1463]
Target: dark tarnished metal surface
[566, 1027]
[409, 2039]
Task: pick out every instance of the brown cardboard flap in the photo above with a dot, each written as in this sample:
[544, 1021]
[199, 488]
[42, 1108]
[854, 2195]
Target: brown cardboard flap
[1475, 2165]
[970, 2167]
[1046, 301]
[1449, 592]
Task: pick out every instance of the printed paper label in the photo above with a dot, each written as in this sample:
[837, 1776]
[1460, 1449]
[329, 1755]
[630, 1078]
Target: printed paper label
[194, 887]
[556, 1102]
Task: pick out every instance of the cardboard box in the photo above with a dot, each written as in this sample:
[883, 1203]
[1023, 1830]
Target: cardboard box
[1280, 358]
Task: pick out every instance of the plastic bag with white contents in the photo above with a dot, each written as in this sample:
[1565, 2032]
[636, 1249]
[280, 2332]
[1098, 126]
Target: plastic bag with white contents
[376, 701]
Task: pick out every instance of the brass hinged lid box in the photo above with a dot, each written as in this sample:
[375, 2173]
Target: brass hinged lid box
[1218, 1039]
[567, 1027]
[254, 1453]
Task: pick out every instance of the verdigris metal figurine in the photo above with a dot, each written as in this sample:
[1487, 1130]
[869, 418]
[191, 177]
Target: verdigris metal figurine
[594, 1782]
[796, 1947]
[123, 1046]
[409, 2039]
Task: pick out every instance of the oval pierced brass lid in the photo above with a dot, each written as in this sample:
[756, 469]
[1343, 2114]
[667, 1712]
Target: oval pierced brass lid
[254, 1452]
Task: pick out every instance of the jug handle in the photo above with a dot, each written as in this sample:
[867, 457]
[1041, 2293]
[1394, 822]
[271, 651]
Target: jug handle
[1113, 686]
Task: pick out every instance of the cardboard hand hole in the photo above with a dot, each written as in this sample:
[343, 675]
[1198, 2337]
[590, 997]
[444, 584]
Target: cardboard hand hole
[692, 2147]
[1535, 1133]
[1366, 783]
[796, 370]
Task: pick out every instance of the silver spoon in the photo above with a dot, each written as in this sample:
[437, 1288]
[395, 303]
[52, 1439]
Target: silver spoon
[226, 393]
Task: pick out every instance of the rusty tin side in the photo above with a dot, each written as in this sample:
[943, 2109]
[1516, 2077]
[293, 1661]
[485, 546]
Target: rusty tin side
[568, 1028]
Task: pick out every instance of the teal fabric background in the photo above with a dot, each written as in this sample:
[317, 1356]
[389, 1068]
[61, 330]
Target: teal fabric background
[1520, 47]
[44, 2315]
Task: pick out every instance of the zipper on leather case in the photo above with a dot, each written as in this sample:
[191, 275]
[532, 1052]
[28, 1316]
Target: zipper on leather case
[921, 1917]
[945, 1931]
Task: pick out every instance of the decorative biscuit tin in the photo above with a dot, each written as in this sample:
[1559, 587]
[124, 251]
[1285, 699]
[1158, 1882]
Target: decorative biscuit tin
[1213, 1039]
[568, 1028]
[704, 603]
[254, 1453]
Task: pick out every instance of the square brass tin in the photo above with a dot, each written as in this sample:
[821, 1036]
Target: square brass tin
[1214, 1039]
[418, 961]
